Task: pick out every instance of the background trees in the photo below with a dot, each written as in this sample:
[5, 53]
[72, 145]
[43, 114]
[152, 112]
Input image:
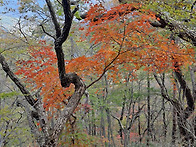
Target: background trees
[137, 67]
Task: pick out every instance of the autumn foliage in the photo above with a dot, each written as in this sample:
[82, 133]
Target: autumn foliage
[128, 42]
[40, 71]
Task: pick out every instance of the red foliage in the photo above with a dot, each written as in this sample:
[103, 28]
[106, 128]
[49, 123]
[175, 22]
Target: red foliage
[41, 71]
[127, 40]
[126, 33]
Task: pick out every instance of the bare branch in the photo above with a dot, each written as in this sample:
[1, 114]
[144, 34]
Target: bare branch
[119, 122]
[54, 19]
[59, 2]
[193, 6]
[67, 22]
[15, 79]
[46, 32]
[20, 29]
[165, 94]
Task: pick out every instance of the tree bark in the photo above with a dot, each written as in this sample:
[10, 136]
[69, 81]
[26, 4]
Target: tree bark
[44, 138]
[182, 114]
[148, 110]
[110, 131]
[164, 114]
[182, 31]
[174, 123]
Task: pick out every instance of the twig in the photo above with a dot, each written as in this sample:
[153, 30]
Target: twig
[20, 29]
[46, 32]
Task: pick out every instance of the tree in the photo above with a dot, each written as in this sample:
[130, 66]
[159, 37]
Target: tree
[128, 41]
[47, 137]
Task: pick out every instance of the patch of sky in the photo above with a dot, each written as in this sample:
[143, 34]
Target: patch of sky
[7, 22]
[10, 7]
[9, 13]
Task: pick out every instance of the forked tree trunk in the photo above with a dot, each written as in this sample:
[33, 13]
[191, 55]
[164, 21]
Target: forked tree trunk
[48, 137]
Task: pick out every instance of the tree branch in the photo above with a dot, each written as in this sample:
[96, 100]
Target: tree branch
[107, 67]
[176, 27]
[15, 79]
[75, 9]
[165, 95]
[67, 22]
[192, 74]
[20, 29]
[46, 32]
[189, 98]
[38, 105]
[54, 19]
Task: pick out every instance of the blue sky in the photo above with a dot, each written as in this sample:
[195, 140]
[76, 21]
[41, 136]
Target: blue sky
[13, 4]
[8, 20]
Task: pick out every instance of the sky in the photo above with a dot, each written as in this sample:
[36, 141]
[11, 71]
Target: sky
[11, 4]
[14, 4]
[8, 20]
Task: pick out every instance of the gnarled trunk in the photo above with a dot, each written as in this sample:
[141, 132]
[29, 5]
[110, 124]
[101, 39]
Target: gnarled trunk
[48, 137]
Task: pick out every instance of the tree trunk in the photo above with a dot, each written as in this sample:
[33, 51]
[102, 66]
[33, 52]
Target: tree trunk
[164, 115]
[148, 111]
[110, 132]
[182, 114]
[164, 120]
[174, 127]
[48, 136]
[174, 123]
[102, 123]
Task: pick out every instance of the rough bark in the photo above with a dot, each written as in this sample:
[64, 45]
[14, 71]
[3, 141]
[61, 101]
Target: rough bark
[148, 111]
[37, 105]
[179, 29]
[14, 78]
[174, 127]
[192, 74]
[189, 97]
[65, 78]
[182, 114]
[174, 123]
[164, 112]
[185, 113]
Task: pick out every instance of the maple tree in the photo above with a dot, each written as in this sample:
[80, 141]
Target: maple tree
[50, 138]
[42, 64]
[128, 41]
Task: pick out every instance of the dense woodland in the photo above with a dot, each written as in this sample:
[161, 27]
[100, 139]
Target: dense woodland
[98, 73]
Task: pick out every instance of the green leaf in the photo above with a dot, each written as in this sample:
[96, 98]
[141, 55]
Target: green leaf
[9, 94]
[77, 15]
[60, 12]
